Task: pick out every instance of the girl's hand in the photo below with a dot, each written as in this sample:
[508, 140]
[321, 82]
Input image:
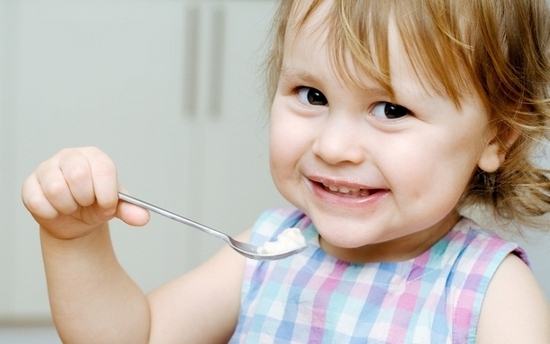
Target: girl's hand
[75, 192]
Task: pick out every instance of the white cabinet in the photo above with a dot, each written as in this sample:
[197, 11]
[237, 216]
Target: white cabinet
[172, 90]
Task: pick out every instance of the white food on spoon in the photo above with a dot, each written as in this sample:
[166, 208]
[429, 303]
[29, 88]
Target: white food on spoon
[290, 239]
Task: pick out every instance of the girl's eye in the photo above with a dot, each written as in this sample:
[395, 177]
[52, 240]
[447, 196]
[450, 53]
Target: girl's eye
[387, 110]
[312, 96]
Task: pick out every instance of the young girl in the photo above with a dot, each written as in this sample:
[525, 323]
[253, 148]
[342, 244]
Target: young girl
[387, 119]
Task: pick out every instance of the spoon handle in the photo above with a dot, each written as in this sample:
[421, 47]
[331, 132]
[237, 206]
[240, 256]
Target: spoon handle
[173, 216]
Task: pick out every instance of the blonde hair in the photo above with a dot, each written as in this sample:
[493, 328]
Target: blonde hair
[497, 49]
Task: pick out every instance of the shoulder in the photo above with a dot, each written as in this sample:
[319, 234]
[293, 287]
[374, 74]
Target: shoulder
[514, 308]
[473, 236]
[475, 255]
[479, 250]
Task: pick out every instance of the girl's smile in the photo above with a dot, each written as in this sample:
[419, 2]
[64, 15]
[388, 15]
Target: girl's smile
[345, 194]
[371, 170]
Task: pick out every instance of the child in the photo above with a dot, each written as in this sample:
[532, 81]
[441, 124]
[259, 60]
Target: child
[387, 119]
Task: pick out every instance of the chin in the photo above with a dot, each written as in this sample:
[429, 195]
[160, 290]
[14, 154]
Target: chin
[346, 236]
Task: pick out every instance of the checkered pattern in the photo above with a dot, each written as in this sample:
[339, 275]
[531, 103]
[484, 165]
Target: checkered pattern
[314, 298]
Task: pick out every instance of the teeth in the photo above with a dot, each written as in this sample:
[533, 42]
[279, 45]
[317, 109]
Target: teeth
[343, 189]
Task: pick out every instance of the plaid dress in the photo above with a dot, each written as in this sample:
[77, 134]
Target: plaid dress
[314, 298]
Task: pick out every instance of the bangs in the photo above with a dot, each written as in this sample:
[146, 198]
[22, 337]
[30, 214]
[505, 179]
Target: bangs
[358, 35]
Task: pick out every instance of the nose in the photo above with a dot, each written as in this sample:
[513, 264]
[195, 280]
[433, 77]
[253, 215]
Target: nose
[338, 141]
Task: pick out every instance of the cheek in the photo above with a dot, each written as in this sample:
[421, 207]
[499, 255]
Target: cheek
[444, 178]
[283, 144]
[277, 158]
[290, 135]
[437, 167]
[286, 149]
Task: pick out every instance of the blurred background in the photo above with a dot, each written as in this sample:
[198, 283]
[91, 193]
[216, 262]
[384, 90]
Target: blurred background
[173, 91]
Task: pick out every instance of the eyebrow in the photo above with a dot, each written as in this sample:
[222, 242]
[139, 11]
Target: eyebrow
[297, 73]
[293, 73]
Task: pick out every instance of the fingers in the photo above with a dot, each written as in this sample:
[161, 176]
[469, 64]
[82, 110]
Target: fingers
[35, 200]
[104, 180]
[72, 179]
[77, 187]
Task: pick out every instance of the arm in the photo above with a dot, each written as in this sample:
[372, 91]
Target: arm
[91, 297]
[93, 300]
[72, 196]
[514, 309]
[201, 306]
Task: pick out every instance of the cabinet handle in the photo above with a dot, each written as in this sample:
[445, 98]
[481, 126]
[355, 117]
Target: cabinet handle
[217, 49]
[191, 68]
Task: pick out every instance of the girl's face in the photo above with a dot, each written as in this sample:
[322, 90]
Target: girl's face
[380, 181]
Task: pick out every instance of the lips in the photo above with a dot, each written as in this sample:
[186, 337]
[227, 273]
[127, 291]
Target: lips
[345, 194]
[343, 188]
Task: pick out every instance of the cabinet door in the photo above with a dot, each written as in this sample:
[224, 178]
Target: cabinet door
[108, 74]
[235, 183]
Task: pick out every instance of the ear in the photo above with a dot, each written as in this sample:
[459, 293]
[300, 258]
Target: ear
[494, 153]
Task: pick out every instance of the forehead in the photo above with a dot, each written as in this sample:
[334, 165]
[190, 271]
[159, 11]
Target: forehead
[380, 40]
[311, 49]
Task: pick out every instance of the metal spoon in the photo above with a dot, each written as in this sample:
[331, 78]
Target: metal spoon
[247, 250]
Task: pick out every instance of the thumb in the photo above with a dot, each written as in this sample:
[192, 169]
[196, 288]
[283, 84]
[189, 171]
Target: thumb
[132, 214]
